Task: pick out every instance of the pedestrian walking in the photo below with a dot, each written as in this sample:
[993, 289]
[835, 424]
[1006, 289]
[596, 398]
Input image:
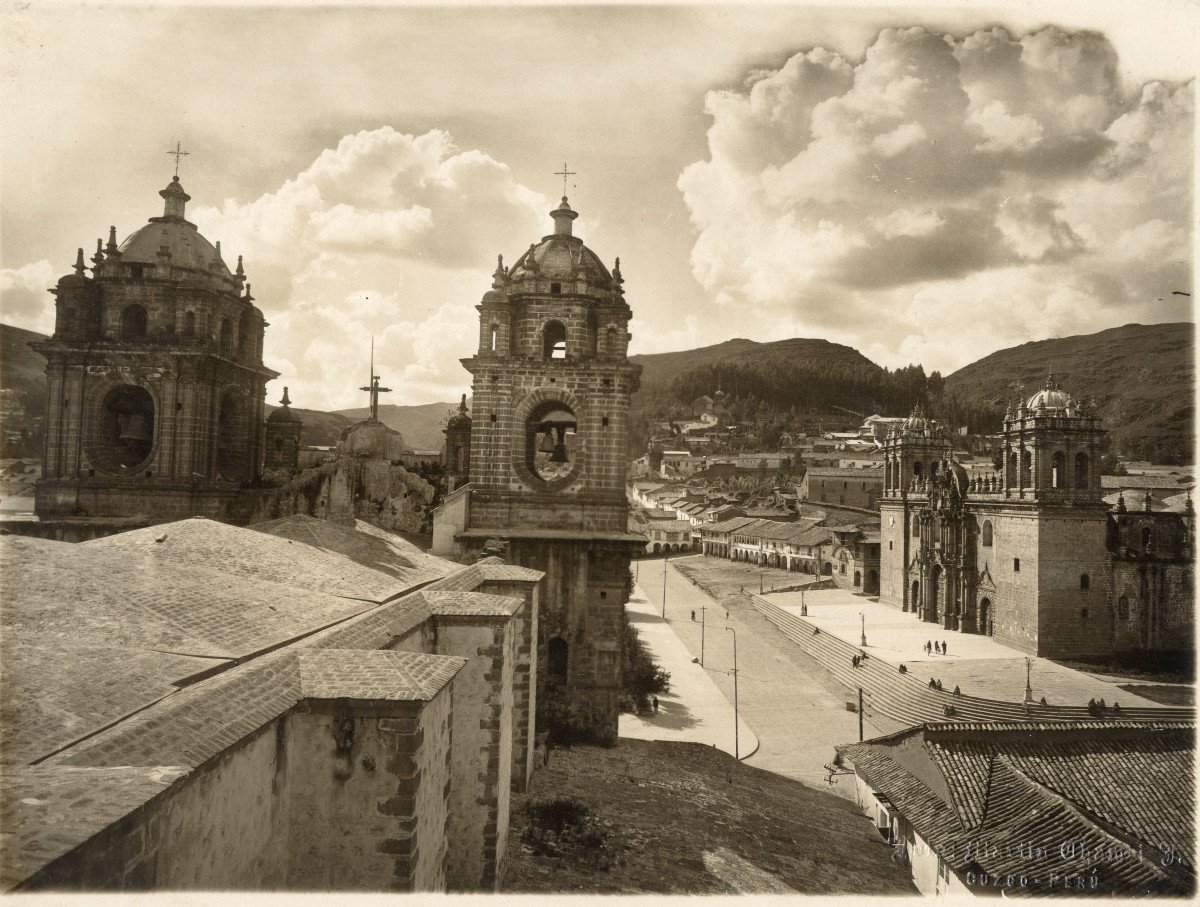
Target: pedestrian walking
[655, 700]
[932, 684]
[957, 691]
[943, 647]
[693, 615]
[927, 647]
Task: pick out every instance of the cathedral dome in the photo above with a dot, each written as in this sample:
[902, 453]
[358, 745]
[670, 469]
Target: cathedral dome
[917, 421]
[561, 255]
[284, 413]
[1050, 398]
[174, 234]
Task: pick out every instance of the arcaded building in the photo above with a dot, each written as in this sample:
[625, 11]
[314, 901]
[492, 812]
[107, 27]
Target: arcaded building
[156, 382]
[1031, 554]
[548, 459]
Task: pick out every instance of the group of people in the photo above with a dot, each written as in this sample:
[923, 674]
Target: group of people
[1099, 708]
[937, 685]
[935, 647]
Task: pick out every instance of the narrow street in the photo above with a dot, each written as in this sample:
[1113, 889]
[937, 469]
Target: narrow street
[796, 720]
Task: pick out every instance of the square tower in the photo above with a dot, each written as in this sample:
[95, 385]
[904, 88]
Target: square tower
[548, 459]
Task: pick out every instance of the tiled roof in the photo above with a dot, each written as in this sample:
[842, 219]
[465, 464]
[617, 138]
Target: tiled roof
[470, 604]
[97, 633]
[728, 525]
[1112, 784]
[262, 556]
[381, 676]
[833, 472]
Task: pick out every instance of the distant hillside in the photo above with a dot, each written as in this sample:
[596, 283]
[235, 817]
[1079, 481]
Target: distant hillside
[20, 367]
[1142, 376]
[320, 429]
[421, 426]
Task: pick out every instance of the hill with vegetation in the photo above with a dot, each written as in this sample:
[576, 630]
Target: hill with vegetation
[420, 426]
[1142, 377]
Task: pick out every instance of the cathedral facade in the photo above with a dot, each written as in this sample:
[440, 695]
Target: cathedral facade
[548, 454]
[1030, 554]
[156, 380]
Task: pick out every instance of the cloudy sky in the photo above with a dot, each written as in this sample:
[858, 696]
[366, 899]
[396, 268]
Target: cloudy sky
[924, 184]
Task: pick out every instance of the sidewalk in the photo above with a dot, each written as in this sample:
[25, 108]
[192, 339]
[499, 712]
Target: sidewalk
[694, 710]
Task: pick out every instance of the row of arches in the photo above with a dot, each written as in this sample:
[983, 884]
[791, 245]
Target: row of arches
[233, 338]
[669, 547]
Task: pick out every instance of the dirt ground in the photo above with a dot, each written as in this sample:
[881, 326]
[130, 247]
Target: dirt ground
[683, 818]
[724, 580]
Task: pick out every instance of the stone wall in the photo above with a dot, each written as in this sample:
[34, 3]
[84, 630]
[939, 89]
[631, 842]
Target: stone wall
[525, 623]
[1072, 620]
[1015, 602]
[893, 553]
[482, 734]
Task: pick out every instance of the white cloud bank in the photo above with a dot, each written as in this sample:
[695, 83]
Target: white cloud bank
[946, 196]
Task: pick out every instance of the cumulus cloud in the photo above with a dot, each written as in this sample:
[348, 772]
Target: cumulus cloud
[946, 195]
[387, 234]
[23, 298]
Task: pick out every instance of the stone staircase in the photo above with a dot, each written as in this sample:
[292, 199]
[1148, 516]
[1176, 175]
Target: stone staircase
[909, 700]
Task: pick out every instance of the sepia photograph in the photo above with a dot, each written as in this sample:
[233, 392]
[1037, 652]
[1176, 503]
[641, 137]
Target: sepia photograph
[357, 358]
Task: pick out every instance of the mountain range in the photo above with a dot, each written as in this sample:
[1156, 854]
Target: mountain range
[1142, 377]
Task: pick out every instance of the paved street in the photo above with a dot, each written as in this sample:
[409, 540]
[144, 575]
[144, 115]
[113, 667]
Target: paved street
[796, 720]
[978, 665]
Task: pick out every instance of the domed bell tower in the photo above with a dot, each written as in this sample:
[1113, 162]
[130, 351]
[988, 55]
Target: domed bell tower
[548, 461]
[155, 378]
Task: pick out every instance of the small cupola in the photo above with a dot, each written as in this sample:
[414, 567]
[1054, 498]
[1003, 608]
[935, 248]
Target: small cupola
[563, 216]
[175, 199]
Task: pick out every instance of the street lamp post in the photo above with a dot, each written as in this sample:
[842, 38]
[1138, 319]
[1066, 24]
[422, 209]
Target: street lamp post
[803, 607]
[1028, 681]
[703, 608]
[666, 558]
[737, 753]
[863, 642]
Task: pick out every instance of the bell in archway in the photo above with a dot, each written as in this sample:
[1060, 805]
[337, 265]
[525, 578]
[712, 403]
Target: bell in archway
[560, 448]
[547, 445]
[133, 429]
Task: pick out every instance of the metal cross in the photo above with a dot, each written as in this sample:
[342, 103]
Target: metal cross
[178, 152]
[564, 173]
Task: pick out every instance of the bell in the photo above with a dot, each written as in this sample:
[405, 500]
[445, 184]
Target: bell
[547, 445]
[560, 449]
[133, 429]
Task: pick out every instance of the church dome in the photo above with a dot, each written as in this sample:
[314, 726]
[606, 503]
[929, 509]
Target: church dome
[561, 255]
[1050, 398]
[917, 421]
[179, 237]
[461, 420]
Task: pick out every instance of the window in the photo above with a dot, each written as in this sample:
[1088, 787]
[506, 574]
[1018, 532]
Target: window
[226, 338]
[1026, 467]
[1016, 565]
[556, 662]
[556, 288]
[986, 534]
[495, 334]
[889, 546]
[133, 322]
[1083, 612]
[189, 324]
[916, 526]
[554, 341]
[1084, 582]
[1058, 469]
[1082, 474]
[1123, 607]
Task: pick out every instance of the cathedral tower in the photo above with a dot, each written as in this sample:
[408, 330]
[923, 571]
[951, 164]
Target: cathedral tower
[548, 461]
[155, 378]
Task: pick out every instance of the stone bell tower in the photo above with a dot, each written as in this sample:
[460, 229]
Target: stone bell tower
[155, 378]
[548, 461]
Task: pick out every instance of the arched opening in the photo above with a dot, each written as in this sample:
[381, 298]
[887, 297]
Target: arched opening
[1026, 467]
[245, 331]
[827, 570]
[918, 471]
[986, 534]
[933, 468]
[493, 337]
[935, 592]
[133, 322]
[554, 340]
[857, 579]
[871, 587]
[985, 617]
[556, 658]
[1083, 477]
[1085, 582]
[226, 337]
[125, 435]
[657, 548]
[1123, 607]
[610, 341]
[915, 596]
[1011, 475]
[189, 324]
[916, 526]
[1145, 536]
[551, 442]
[1058, 470]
